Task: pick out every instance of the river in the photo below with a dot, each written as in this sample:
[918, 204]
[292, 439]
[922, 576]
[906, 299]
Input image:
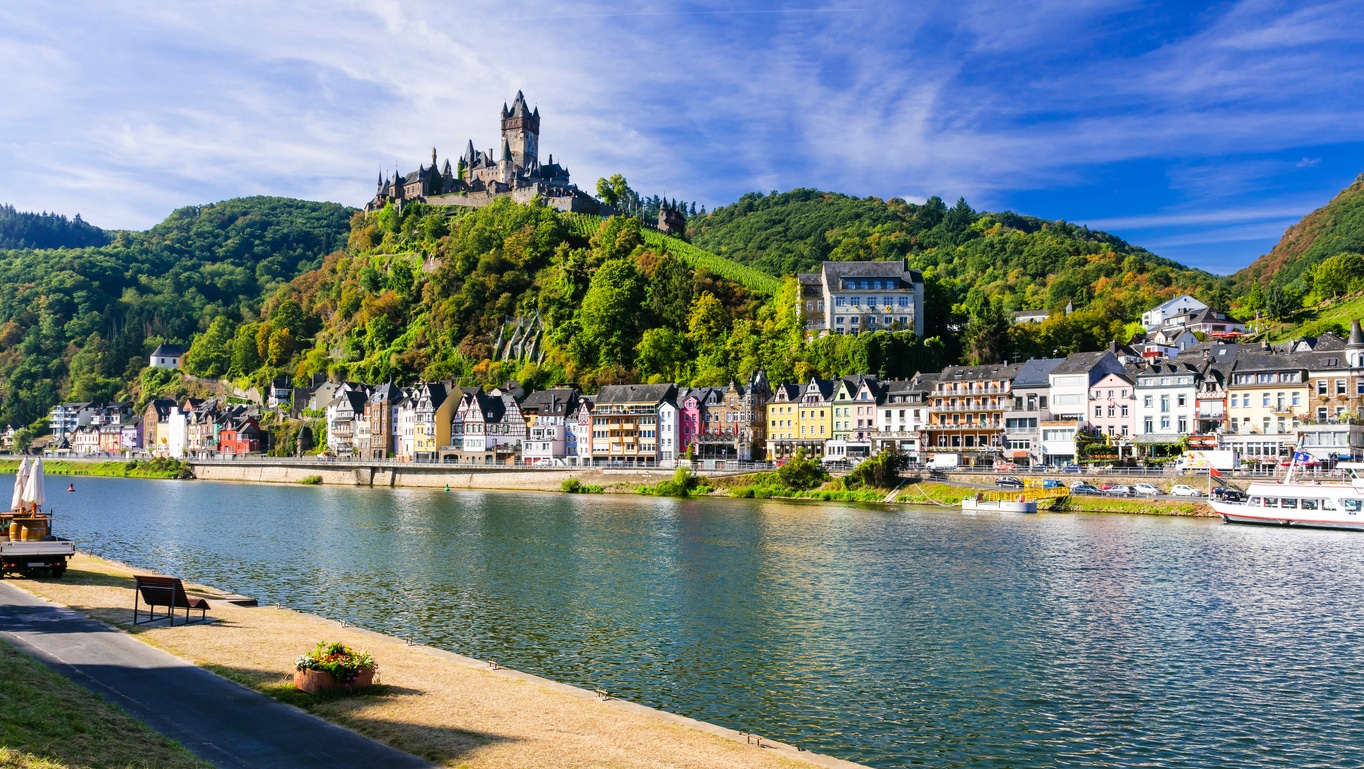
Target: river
[898, 638]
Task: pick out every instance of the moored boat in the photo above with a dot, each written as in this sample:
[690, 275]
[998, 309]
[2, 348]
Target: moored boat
[1290, 502]
[996, 503]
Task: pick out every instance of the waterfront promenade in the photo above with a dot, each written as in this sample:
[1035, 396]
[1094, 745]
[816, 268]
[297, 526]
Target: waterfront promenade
[446, 708]
[218, 720]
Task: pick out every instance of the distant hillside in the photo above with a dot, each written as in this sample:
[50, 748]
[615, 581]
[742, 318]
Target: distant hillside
[1336, 228]
[1021, 261]
[78, 323]
[20, 229]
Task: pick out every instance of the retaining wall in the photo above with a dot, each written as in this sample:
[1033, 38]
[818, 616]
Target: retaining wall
[428, 476]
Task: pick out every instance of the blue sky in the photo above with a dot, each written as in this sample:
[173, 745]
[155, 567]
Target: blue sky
[1200, 131]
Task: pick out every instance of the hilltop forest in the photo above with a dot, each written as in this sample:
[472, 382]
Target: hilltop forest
[265, 287]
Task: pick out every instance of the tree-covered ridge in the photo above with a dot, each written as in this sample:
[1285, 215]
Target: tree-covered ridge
[1335, 228]
[1018, 261]
[20, 229]
[524, 292]
[79, 323]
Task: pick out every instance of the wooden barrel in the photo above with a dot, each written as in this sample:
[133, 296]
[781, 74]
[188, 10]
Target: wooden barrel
[31, 529]
[14, 529]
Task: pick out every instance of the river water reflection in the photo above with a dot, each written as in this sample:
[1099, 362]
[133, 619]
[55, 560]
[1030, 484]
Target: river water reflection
[917, 637]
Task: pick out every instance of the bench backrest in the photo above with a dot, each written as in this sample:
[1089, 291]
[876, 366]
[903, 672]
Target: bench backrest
[162, 591]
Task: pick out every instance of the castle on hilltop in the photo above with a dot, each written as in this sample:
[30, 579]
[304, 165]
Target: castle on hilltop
[478, 178]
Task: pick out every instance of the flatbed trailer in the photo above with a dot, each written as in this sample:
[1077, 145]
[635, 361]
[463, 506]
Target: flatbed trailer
[29, 557]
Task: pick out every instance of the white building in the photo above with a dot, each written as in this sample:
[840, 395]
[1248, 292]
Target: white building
[669, 430]
[854, 297]
[167, 356]
[1183, 304]
[1070, 385]
[177, 432]
[901, 413]
[1167, 401]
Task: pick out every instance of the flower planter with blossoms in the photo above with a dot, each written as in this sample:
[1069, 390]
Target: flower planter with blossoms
[333, 667]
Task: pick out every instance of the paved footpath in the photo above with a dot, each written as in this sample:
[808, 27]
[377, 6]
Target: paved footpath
[218, 720]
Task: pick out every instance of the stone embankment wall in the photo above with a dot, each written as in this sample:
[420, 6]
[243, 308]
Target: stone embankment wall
[428, 476]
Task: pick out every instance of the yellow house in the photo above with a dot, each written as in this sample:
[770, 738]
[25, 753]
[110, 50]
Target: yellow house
[782, 426]
[815, 416]
[435, 409]
[1266, 399]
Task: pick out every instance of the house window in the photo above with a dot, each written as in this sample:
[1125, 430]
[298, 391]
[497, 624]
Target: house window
[1264, 400]
[1150, 425]
[1321, 413]
[1183, 425]
[1164, 404]
[1098, 411]
[840, 301]
[904, 301]
[1340, 387]
[1297, 399]
[1165, 424]
[1124, 411]
[1124, 429]
[855, 301]
[1321, 387]
[1146, 401]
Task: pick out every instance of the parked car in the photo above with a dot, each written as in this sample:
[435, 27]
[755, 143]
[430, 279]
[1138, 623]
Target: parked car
[1073, 484]
[1107, 486]
[1072, 468]
[1051, 483]
[1121, 491]
[1085, 488]
[1223, 494]
[1146, 490]
[1008, 482]
[1181, 490]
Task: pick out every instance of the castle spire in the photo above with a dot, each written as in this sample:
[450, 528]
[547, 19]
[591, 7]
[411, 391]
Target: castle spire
[433, 157]
[506, 150]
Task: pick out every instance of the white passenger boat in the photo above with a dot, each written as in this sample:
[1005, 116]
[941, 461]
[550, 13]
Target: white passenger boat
[980, 504]
[1297, 502]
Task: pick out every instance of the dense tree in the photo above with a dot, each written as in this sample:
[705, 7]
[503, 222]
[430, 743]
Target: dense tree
[211, 353]
[610, 318]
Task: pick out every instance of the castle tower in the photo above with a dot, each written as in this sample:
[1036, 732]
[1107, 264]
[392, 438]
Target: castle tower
[521, 131]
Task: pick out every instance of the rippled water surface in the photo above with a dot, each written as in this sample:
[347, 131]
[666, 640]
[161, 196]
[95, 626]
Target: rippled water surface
[917, 637]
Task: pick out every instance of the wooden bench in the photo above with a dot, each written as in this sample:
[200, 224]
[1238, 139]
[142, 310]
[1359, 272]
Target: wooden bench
[168, 592]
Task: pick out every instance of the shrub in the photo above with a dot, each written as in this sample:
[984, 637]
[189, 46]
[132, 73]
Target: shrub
[310, 480]
[801, 471]
[575, 486]
[880, 472]
[684, 482]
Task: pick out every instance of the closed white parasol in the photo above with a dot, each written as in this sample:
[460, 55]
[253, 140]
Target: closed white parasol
[33, 489]
[20, 478]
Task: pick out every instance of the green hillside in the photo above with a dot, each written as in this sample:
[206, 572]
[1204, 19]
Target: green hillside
[20, 229]
[1022, 262]
[79, 323]
[755, 280]
[1335, 228]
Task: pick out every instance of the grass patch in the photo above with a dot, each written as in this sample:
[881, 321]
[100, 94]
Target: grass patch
[161, 467]
[47, 722]
[1088, 504]
[929, 492]
[310, 480]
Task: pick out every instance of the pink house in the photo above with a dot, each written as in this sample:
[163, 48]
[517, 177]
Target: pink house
[1113, 406]
[689, 418]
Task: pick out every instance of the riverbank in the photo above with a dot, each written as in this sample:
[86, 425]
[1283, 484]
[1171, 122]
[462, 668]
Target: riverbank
[137, 468]
[441, 706]
[47, 722]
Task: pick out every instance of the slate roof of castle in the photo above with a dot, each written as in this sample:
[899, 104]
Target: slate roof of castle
[165, 350]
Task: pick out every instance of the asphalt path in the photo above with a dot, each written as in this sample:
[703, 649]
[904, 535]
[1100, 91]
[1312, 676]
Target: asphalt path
[220, 721]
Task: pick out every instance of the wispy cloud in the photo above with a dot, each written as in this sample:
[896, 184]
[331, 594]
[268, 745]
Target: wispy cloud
[125, 112]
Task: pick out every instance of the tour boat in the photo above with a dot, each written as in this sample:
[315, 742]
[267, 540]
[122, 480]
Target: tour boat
[1290, 502]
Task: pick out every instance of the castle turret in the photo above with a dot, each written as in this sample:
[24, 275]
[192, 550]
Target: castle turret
[1354, 349]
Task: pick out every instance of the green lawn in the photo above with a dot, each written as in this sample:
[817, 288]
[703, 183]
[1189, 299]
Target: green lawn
[47, 722]
[141, 468]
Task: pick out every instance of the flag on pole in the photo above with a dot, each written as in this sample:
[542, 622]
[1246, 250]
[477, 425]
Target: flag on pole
[1213, 472]
[1302, 456]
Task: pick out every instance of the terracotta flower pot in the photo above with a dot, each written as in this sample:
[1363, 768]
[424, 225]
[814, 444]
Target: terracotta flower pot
[314, 681]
